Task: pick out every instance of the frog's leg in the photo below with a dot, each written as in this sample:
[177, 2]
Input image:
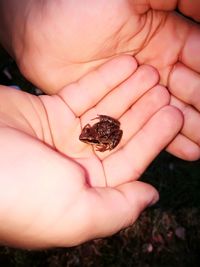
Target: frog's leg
[116, 139]
[102, 147]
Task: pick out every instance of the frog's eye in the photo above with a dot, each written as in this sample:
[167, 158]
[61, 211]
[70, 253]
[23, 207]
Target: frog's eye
[86, 130]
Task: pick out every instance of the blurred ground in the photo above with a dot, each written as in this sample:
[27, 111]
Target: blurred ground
[166, 235]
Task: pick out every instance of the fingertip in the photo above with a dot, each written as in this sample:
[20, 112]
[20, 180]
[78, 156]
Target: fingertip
[192, 153]
[145, 78]
[184, 148]
[172, 117]
[127, 63]
[140, 195]
[116, 70]
[150, 71]
[161, 93]
[116, 208]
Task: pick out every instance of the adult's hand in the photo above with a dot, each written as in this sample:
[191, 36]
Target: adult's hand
[56, 190]
[55, 43]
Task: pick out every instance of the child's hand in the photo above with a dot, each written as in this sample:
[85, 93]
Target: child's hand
[54, 45]
[56, 190]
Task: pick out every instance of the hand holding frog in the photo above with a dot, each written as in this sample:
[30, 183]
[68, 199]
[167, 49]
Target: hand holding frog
[62, 42]
[58, 191]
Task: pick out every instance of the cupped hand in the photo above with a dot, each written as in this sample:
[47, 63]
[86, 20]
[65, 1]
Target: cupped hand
[56, 190]
[56, 44]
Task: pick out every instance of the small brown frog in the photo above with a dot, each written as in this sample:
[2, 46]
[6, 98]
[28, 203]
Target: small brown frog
[103, 135]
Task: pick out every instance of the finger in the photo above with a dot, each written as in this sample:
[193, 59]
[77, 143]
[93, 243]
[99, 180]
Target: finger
[139, 152]
[108, 210]
[190, 8]
[191, 126]
[191, 50]
[90, 89]
[182, 147]
[139, 114]
[162, 5]
[136, 117]
[185, 85]
[119, 100]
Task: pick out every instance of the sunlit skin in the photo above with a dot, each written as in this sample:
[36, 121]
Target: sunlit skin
[58, 191]
[57, 42]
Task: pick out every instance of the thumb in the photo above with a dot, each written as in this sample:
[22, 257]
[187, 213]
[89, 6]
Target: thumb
[112, 209]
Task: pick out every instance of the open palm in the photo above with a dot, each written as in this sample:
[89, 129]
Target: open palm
[56, 190]
[133, 102]
[63, 42]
